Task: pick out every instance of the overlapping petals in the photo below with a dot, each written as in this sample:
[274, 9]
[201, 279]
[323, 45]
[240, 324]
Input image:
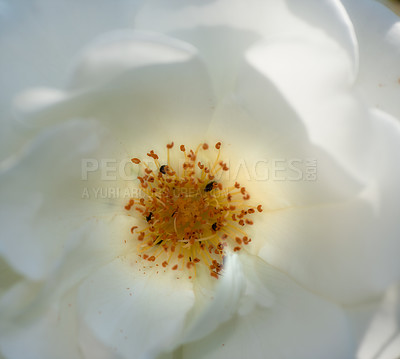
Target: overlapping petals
[283, 82]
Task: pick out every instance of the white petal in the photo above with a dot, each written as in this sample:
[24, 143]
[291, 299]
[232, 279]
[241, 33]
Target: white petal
[224, 29]
[32, 307]
[91, 347]
[392, 350]
[133, 313]
[315, 77]
[31, 31]
[222, 305]
[382, 339]
[32, 52]
[378, 32]
[348, 250]
[292, 95]
[41, 197]
[297, 325]
[51, 336]
[360, 317]
[273, 158]
[364, 144]
[146, 87]
[8, 276]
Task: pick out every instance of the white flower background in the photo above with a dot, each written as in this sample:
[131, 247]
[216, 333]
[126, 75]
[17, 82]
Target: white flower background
[270, 79]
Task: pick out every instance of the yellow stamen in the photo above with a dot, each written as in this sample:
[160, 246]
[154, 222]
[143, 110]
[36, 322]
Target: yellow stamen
[188, 218]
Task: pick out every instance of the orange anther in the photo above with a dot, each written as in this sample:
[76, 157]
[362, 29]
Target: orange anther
[205, 146]
[129, 205]
[218, 145]
[182, 148]
[152, 155]
[170, 145]
[135, 160]
[133, 228]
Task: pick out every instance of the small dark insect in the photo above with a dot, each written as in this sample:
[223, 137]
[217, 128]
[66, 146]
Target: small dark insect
[209, 187]
[190, 259]
[148, 218]
[214, 227]
[159, 242]
[162, 169]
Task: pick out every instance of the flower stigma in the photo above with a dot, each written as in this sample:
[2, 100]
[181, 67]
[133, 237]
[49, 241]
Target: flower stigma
[189, 215]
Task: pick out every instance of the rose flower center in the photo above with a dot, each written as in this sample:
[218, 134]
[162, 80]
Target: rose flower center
[189, 216]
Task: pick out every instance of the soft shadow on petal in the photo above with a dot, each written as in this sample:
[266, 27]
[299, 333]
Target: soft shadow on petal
[145, 87]
[39, 43]
[135, 312]
[41, 196]
[212, 25]
[269, 149]
[331, 17]
[91, 347]
[31, 306]
[360, 317]
[382, 338]
[57, 326]
[347, 251]
[378, 34]
[345, 219]
[8, 276]
[316, 78]
[297, 324]
[220, 306]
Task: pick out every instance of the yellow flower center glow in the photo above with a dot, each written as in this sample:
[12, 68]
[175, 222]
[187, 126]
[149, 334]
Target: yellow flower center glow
[190, 216]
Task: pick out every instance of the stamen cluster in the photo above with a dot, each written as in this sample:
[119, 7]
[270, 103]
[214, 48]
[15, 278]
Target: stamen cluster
[189, 217]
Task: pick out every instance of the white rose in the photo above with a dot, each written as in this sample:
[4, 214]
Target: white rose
[304, 93]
